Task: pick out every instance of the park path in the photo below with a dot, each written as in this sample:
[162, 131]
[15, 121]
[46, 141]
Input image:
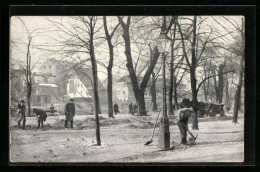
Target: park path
[218, 141]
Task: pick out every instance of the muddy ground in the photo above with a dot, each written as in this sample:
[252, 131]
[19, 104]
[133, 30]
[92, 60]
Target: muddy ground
[123, 139]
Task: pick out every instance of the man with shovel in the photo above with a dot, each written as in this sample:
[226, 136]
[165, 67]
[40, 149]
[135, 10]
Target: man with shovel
[182, 122]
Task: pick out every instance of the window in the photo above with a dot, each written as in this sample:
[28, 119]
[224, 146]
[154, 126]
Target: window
[123, 92]
[50, 66]
[44, 67]
[46, 99]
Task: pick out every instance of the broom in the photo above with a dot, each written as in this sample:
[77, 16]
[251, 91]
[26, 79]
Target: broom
[150, 141]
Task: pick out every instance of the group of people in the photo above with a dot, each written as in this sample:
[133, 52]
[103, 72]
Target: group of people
[132, 108]
[183, 116]
[41, 115]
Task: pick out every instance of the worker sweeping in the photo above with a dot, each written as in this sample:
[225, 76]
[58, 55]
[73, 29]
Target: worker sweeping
[182, 122]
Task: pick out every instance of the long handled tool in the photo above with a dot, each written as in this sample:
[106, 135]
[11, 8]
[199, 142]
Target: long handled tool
[150, 141]
[194, 138]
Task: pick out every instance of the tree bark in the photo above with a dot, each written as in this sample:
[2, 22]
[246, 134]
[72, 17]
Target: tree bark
[220, 84]
[170, 107]
[241, 72]
[153, 92]
[95, 81]
[109, 68]
[109, 92]
[193, 77]
[227, 100]
[175, 93]
[29, 77]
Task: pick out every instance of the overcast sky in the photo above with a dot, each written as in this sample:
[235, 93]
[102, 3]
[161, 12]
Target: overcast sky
[44, 33]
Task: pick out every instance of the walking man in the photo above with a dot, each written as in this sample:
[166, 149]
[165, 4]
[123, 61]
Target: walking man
[21, 108]
[182, 122]
[116, 110]
[69, 113]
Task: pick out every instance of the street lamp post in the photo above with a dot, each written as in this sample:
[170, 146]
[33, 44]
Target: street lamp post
[164, 133]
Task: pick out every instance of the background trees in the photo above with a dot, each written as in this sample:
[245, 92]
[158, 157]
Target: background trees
[206, 56]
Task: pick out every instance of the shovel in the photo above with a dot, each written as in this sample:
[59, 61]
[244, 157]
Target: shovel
[194, 138]
[150, 141]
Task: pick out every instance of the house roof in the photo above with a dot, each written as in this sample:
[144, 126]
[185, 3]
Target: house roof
[85, 76]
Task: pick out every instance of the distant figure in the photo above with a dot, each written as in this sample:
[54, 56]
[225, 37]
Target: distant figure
[131, 109]
[69, 113]
[41, 116]
[51, 107]
[116, 110]
[21, 109]
[135, 108]
[182, 122]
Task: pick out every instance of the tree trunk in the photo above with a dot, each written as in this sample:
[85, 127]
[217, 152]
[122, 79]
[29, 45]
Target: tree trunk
[109, 92]
[175, 93]
[170, 107]
[220, 84]
[227, 100]
[153, 92]
[194, 98]
[205, 92]
[95, 82]
[138, 91]
[193, 77]
[29, 100]
[110, 66]
[237, 102]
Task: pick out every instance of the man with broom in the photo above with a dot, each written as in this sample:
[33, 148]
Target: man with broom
[182, 122]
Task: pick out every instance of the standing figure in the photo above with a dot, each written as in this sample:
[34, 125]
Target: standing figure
[21, 109]
[182, 122]
[52, 109]
[131, 109]
[41, 116]
[116, 110]
[69, 113]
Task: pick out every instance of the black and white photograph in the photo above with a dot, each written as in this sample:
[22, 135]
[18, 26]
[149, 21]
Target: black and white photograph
[127, 89]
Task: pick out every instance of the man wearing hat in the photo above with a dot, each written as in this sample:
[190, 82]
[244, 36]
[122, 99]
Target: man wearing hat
[70, 113]
[21, 108]
[182, 122]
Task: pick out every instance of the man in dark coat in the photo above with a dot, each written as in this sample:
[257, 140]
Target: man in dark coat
[182, 122]
[131, 109]
[69, 113]
[41, 116]
[116, 110]
[21, 109]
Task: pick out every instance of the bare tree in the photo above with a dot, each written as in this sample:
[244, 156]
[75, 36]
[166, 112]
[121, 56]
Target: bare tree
[199, 42]
[139, 90]
[109, 37]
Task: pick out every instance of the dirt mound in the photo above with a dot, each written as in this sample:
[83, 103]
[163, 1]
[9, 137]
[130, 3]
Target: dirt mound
[141, 125]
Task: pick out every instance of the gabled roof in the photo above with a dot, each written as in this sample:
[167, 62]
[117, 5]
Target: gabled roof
[85, 76]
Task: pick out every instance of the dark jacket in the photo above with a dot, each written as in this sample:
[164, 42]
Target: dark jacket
[69, 110]
[21, 109]
[116, 110]
[184, 114]
[41, 115]
[52, 108]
